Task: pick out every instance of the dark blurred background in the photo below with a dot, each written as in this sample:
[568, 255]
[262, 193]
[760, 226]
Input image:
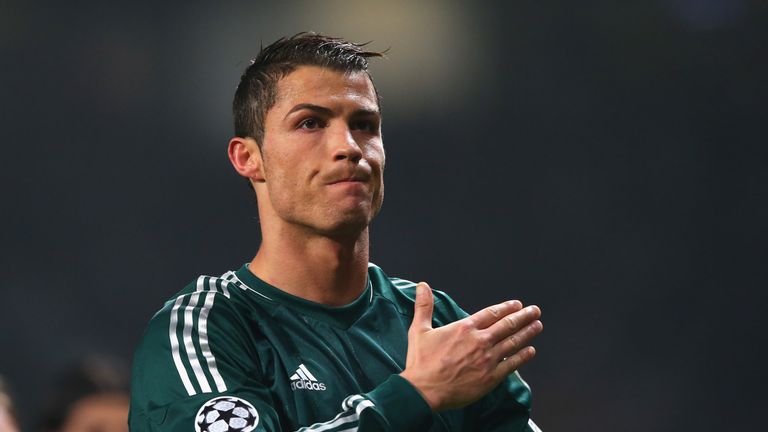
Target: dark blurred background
[606, 160]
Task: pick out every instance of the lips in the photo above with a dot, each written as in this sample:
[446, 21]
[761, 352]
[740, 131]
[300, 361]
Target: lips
[351, 178]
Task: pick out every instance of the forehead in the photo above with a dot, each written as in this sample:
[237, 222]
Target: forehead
[326, 87]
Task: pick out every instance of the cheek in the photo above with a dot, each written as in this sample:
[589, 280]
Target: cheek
[280, 169]
[283, 187]
[287, 183]
[377, 159]
[375, 156]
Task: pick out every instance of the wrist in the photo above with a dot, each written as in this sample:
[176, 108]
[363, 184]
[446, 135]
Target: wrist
[401, 405]
[429, 397]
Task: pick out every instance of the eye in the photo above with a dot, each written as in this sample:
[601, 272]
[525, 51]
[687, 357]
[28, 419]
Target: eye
[310, 124]
[364, 125]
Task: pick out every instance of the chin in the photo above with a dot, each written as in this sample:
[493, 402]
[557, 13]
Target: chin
[351, 228]
[348, 225]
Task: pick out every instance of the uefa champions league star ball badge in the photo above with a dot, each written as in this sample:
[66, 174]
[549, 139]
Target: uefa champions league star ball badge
[226, 414]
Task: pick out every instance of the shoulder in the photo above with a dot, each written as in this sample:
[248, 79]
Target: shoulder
[403, 293]
[197, 300]
[186, 341]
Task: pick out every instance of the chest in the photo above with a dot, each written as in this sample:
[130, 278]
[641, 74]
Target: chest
[311, 365]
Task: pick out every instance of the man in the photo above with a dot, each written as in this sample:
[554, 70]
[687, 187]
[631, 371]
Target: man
[309, 335]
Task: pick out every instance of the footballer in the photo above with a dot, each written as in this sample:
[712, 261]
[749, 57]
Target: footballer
[310, 335]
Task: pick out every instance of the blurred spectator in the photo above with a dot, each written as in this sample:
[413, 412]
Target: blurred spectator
[91, 396]
[8, 419]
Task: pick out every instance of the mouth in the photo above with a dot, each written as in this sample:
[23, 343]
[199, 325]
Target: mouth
[347, 181]
[354, 179]
[354, 185]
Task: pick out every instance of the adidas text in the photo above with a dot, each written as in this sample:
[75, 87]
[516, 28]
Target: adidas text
[304, 380]
[307, 385]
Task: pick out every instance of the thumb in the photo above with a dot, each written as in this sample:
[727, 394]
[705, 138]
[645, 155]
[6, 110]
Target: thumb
[422, 309]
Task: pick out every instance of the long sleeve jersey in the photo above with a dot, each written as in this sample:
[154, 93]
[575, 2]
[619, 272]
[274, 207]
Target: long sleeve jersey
[233, 353]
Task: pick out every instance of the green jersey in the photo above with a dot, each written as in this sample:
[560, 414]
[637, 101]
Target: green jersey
[233, 353]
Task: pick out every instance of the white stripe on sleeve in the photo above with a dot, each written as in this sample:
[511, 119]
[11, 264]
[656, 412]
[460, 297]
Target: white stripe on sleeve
[533, 426]
[189, 346]
[363, 405]
[175, 347]
[344, 417]
[202, 331]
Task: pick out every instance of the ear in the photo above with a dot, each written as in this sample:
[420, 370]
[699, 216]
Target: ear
[245, 156]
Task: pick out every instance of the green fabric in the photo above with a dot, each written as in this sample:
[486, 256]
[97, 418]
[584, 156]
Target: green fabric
[299, 364]
[401, 405]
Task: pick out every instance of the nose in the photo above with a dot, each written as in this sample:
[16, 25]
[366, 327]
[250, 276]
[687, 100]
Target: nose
[345, 147]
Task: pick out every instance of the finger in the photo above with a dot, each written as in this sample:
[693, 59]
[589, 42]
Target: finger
[422, 309]
[512, 344]
[511, 323]
[513, 363]
[488, 316]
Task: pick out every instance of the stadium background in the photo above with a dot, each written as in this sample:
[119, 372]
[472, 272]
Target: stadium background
[605, 160]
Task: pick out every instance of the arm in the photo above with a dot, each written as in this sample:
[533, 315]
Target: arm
[395, 405]
[194, 360]
[506, 408]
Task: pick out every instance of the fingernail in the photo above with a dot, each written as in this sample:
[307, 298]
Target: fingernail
[423, 288]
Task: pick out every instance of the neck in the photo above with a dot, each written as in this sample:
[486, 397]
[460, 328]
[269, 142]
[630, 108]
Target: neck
[316, 268]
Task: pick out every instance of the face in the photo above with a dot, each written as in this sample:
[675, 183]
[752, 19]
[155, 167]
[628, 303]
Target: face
[100, 413]
[322, 155]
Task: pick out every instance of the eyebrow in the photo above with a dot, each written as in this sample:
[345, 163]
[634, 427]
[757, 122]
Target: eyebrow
[327, 111]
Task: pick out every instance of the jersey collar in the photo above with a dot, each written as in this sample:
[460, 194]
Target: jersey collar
[338, 316]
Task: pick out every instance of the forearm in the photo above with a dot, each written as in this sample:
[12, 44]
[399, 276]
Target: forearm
[399, 406]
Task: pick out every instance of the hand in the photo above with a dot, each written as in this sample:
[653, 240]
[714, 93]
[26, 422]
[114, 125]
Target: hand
[457, 364]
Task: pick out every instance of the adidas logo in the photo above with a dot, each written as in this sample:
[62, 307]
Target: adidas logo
[302, 379]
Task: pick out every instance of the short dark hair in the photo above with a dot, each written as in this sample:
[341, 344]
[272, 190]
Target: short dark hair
[257, 90]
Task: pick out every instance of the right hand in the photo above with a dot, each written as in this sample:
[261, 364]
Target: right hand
[457, 364]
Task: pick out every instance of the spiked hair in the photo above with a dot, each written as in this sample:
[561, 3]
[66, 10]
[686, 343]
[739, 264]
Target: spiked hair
[257, 90]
